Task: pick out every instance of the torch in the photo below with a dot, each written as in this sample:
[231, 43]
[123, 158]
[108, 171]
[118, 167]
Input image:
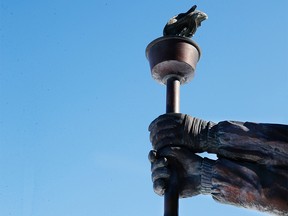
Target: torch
[172, 62]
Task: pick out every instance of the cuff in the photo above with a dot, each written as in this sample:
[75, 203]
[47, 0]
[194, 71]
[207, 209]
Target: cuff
[197, 132]
[206, 176]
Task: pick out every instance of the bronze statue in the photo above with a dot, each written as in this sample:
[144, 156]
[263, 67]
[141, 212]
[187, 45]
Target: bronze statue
[252, 166]
[185, 24]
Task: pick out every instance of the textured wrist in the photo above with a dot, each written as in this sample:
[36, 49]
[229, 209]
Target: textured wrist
[206, 176]
[205, 134]
[197, 131]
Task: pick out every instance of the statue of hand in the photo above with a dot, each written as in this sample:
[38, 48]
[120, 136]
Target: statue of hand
[191, 179]
[176, 129]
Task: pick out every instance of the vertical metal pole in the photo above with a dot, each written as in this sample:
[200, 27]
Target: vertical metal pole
[171, 197]
[173, 95]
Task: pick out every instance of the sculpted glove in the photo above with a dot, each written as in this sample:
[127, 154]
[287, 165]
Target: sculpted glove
[181, 130]
[251, 169]
[195, 173]
[262, 143]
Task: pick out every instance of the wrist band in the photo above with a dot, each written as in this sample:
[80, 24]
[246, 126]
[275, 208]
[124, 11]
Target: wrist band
[206, 176]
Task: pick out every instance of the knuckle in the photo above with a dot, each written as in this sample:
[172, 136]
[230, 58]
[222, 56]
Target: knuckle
[152, 156]
[159, 187]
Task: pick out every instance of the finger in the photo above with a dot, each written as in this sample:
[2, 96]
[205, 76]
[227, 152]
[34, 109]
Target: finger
[167, 138]
[158, 119]
[168, 152]
[160, 163]
[159, 187]
[166, 127]
[176, 117]
[160, 173]
[164, 122]
[157, 137]
[152, 156]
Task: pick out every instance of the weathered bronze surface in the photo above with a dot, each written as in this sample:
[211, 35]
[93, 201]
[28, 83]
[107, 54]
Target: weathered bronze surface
[173, 95]
[173, 57]
[252, 166]
[185, 24]
[173, 60]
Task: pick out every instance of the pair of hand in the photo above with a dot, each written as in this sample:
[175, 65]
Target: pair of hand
[174, 138]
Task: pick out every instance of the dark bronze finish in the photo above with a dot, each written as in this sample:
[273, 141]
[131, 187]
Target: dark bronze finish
[173, 57]
[171, 198]
[172, 61]
[173, 95]
[185, 24]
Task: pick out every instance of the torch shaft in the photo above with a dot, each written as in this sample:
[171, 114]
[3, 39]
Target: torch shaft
[173, 95]
[171, 198]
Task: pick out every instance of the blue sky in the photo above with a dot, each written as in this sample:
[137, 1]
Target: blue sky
[76, 97]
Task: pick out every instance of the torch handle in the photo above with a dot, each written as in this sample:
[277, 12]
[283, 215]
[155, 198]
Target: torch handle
[173, 95]
[171, 197]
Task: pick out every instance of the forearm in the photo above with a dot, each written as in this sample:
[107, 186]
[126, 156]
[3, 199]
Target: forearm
[250, 186]
[261, 143]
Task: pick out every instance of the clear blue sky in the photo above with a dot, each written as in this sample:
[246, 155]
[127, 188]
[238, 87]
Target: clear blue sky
[76, 97]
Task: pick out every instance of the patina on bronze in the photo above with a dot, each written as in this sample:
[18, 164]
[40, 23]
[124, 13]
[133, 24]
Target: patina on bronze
[251, 169]
[173, 56]
[185, 24]
[173, 60]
